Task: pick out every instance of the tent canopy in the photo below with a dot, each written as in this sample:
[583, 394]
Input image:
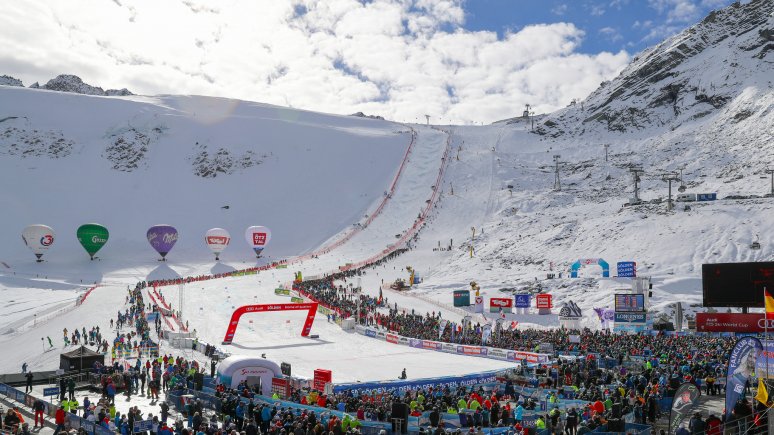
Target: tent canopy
[72, 360]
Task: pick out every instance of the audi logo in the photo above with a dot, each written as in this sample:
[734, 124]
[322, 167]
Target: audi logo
[762, 323]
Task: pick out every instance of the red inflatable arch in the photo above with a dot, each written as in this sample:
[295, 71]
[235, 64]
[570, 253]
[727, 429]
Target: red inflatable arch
[232, 326]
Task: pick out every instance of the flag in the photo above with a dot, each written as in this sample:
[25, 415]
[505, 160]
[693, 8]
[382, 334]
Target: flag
[486, 332]
[768, 302]
[441, 327]
[763, 395]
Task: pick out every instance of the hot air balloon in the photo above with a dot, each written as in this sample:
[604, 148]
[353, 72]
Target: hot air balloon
[38, 238]
[92, 237]
[217, 239]
[162, 238]
[258, 238]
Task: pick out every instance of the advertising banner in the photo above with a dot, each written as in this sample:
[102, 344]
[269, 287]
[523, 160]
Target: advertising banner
[627, 269]
[403, 385]
[682, 406]
[630, 317]
[450, 348]
[543, 300]
[764, 364]
[494, 352]
[630, 328]
[472, 350]
[282, 291]
[731, 322]
[370, 333]
[461, 298]
[414, 342]
[392, 338]
[495, 304]
[479, 308]
[522, 301]
[530, 357]
[432, 345]
[741, 365]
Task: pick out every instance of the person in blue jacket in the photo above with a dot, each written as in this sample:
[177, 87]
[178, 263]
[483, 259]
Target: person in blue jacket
[239, 415]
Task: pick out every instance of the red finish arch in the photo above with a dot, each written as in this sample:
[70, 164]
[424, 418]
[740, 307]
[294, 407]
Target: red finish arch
[232, 326]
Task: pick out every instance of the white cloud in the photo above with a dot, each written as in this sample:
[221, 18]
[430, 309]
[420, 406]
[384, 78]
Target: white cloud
[597, 10]
[610, 33]
[396, 58]
[677, 11]
[559, 9]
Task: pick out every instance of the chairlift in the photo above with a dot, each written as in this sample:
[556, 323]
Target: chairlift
[756, 244]
[681, 188]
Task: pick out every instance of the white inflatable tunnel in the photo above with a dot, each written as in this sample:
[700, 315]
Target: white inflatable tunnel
[235, 369]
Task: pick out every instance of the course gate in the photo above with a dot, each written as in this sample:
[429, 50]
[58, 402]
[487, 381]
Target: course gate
[585, 261]
[232, 326]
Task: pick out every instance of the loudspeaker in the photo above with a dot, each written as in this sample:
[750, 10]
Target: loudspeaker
[198, 381]
[400, 411]
[285, 368]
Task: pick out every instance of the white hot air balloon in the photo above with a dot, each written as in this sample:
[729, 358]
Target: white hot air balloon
[217, 239]
[38, 238]
[258, 238]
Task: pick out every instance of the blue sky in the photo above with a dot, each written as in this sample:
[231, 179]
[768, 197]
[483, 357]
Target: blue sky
[609, 25]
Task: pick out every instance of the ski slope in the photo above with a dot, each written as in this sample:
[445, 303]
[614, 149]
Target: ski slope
[338, 191]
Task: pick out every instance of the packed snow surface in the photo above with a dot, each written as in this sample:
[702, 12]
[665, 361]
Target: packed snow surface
[358, 185]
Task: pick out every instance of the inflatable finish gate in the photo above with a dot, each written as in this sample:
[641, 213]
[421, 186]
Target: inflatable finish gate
[232, 326]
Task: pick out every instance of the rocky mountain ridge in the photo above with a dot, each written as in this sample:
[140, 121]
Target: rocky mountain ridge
[687, 77]
[68, 83]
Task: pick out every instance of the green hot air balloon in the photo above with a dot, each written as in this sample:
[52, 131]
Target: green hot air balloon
[92, 237]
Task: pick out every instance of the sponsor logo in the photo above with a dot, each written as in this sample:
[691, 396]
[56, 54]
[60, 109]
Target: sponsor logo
[380, 334]
[217, 240]
[253, 371]
[630, 317]
[498, 353]
[370, 333]
[98, 239]
[431, 345]
[170, 237]
[471, 350]
[449, 348]
[259, 239]
[543, 301]
[500, 302]
[47, 240]
[522, 301]
[392, 338]
[403, 340]
[152, 237]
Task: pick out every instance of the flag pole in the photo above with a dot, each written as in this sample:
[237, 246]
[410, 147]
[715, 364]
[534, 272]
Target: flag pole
[766, 331]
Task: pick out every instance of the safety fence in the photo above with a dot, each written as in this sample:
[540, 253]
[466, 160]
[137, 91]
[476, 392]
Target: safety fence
[356, 229]
[72, 421]
[418, 224]
[85, 295]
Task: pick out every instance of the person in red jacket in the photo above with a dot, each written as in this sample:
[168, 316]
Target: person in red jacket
[38, 407]
[713, 425]
[59, 419]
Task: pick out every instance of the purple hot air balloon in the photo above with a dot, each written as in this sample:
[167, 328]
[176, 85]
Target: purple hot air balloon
[162, 238]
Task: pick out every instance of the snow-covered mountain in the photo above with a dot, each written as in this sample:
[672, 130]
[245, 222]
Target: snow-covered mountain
[74, 84]
[10, 81]
[697, 73]
[701, 102]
